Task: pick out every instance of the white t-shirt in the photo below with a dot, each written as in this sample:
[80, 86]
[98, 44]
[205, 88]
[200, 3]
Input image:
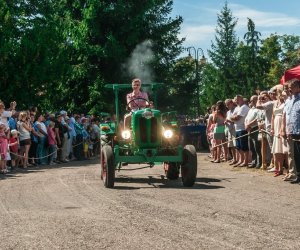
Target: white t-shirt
[252, 115]
[24, 133]
[240, 111]
[42, 127]
[229, 114]
[5, 114]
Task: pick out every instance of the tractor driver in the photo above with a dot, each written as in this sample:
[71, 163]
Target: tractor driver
[138, 103]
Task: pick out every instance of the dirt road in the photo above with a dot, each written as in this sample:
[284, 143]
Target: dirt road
[67, 207]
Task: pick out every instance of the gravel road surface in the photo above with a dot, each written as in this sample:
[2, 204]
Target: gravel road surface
[67, 207]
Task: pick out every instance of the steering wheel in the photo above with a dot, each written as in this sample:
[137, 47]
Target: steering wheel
[134, 100]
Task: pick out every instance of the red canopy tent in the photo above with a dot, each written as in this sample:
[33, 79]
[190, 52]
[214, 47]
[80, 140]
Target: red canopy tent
[290, 74]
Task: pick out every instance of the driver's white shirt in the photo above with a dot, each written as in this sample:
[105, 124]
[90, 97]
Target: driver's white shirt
[141, 103]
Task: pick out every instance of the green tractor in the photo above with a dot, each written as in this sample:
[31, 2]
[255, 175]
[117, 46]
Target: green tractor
[152, 137]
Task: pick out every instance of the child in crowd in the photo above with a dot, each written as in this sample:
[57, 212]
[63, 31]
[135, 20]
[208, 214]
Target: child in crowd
[52, 143]
[14, 149]
[85, 148]
[3, 148]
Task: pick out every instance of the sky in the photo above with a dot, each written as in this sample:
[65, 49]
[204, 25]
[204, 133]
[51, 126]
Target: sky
[270, 17]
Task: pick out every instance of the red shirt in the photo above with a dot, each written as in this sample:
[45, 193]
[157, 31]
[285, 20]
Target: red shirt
[14, 148]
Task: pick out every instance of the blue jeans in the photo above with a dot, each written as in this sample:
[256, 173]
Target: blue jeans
[41, 151]
[52, 153]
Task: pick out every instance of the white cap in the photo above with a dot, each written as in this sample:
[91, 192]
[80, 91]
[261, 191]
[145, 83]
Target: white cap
[14, 131]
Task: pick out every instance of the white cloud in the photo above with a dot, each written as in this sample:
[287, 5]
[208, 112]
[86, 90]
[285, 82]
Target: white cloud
[200, 22]
[262, 19]
[200, 33]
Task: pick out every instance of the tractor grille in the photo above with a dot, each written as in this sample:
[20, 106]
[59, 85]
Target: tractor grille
[143, 129]
[153, 130]
[148, 130]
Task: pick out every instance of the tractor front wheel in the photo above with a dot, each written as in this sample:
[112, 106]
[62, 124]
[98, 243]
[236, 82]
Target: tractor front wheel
[107, 166]
[189, 166]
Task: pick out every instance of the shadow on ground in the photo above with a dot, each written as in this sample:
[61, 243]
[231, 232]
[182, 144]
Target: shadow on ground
[162, 182]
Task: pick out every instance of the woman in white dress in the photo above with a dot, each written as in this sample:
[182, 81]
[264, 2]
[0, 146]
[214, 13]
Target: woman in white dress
[279, 147]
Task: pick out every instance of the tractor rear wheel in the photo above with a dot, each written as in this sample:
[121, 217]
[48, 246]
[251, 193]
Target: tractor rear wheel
[189, 166]
[107, 166]
[172, 170]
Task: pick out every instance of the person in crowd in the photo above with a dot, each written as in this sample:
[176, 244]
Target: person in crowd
[34, 136]
[96, 137]
[6, 114]
[208, 112]
[72, 139]
[279, 147]
[66, 129]
[3, 147]
[52, 143]
[291, 173]
[238, 118]
[14, 149]
[42, 147]
[229, 130]
[78, 147]
[219, 118]
[266, 103]
[251, 125]
[293, 125]
[12, 121]
[59, 136]
[209, 132]
[24, 127]
[136, 104]
[88, 144]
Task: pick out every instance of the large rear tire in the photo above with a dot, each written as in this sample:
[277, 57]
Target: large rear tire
[189, 166]
[107, 166]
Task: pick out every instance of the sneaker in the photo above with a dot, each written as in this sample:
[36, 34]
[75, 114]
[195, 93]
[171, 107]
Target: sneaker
[272, 170]
[52, 163]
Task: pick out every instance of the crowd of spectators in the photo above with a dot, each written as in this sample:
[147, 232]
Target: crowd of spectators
[31, 138]
[262, 133]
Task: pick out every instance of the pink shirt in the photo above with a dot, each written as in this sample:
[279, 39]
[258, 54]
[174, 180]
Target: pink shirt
[141, 103]
[3, 146]
[51, 136]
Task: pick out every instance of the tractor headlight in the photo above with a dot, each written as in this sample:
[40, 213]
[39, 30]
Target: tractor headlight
[126, 134]
[168, 133]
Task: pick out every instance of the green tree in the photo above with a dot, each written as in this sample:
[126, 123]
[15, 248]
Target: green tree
[181, 84]
[223, 54]
[270, 52]
[102, 36]
[61, 53]
[250, 65]
[31, 45]
[290, 45]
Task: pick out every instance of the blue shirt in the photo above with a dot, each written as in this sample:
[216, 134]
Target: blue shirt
[293, 116]
[12, 123]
